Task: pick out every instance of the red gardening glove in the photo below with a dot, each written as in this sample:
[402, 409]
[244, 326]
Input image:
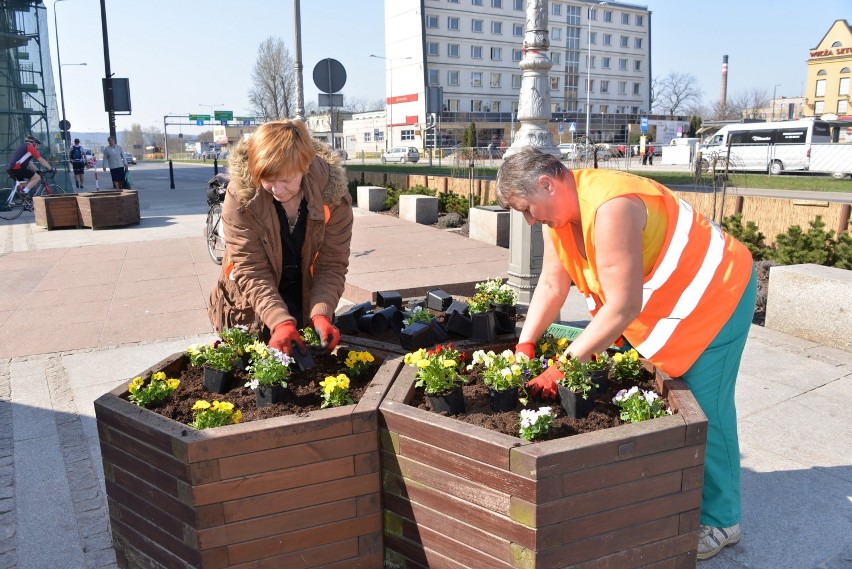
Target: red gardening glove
[329, 335]
[526, 348]
[284, 336]
[545, 384]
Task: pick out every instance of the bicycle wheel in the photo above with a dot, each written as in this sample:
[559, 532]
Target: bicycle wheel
[215, 234]
[56, 189]
[14, 209]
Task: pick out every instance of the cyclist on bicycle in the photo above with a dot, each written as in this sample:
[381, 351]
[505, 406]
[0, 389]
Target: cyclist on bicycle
[20, 165]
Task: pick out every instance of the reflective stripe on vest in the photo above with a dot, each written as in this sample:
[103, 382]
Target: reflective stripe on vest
[693, 287]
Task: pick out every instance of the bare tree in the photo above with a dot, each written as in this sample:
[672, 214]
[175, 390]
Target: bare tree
[749, 104]
[273, 91]
[133, 140]
[363, 105]
[675, 93]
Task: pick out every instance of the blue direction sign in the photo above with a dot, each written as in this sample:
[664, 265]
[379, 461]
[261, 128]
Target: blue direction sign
[643, 124]
[572, 127]
[199, 123]
[561, 127]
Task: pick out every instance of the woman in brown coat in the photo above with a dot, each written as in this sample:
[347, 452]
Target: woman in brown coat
[288, 224]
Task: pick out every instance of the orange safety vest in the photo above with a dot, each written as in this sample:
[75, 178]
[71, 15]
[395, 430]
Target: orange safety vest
[229, 266]
[693, 286]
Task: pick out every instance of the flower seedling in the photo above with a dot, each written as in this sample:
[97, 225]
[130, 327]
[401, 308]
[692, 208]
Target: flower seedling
[335, 391]
[478, 303]
[269, 367]
[437, 370]
[358, 362]
[640, 405]
[576, 376]
[310, 337]
[498, 292]
[418, 314]
[216, 414]
[500, 371]
[239, 338]
[626, 366]
[218, 355]
[549, 346]
[535, 424]
[157, 389]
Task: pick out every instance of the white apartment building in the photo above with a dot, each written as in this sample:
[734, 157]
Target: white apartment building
[468, 51]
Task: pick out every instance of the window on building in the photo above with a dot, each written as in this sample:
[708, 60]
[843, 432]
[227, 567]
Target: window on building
[842, 107]
[637, 65]
[496, 80]
[604, 86]
[622, 64]
[496, 53]
[622, 87]
[433, 77]
[636, 88]
[554, 83]
[453, 105]
[516, 55]
[556, 34]
[453, 1]
[497, 28]
[452, 77]
[476, 26]
[819, 107]
[476, 106]
[380, 136]
[518, 5]
[607, 15]
[603, 109]
[476, 2]
[368, 137]
[605, 62]
[591, 85]
[476, 79]
[593, 38]
[634, 110]
[432, 48]
[625, 19]
[820, 88]
[516, 81]
[556, 58]
[452, 23]
[496, 3]
[476, 51]
[639, 20]
[607, 39]
[844, 86]
[573, 15]
[556, 9]
[593, 14]
[625, 41]
[572, 38]
[517, 30]
[407, 134]
[452, 50]
[431, 21]
[637, 43]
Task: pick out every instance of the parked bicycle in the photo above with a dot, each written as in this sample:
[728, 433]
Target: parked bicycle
[216, 189]
[17, 202]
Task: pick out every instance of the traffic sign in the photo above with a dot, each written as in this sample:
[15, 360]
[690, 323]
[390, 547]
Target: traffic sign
[561, 127]
[64, 125]
[199, 117]
[572, 127]
[643, 124]
[223, 115]
[223, 123]
[199, 123]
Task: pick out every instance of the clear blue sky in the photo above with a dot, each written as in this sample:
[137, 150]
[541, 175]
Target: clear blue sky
[180, 54]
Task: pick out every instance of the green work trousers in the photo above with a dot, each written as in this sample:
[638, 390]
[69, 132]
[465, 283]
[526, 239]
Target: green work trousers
[712, 380]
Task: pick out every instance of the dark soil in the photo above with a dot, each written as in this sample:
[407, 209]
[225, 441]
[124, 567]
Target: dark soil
[478, 410]
[303, 392]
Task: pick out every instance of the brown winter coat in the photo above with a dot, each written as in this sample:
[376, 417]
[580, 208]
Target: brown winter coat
[249, 296]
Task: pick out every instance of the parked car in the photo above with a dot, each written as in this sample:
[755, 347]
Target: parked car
[401, 154]
[129, 158]
[568, 151]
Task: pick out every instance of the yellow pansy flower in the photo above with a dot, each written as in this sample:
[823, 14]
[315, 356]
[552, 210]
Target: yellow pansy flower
[237, 416]
[173, 383]
[200, 404]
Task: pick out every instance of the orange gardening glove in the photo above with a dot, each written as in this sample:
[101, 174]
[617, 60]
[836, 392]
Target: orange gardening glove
[284, 336]
[545, 384]
[526, 348]
[329, 335]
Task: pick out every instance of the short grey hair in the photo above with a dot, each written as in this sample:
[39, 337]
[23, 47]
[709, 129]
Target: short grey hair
[519, 174]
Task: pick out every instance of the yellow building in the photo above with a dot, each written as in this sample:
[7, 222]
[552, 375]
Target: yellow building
[830, 74]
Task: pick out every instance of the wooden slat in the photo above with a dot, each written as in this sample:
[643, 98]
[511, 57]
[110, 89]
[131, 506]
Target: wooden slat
[143, 470]
[681, 398]
[301, 497]
[462, 554]
[260, 484]
[641, 556]
[171, 505]
[137, 548]
[150, 539]
[147, 454]
[123, 500]
[142, 425]
[315, 557]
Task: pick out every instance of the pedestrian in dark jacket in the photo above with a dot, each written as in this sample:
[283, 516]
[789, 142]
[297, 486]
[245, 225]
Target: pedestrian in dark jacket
[288, 224]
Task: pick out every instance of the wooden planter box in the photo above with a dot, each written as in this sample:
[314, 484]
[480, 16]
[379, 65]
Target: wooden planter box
[456, 495]
[58, 211]
[293, 491]
[108, 209]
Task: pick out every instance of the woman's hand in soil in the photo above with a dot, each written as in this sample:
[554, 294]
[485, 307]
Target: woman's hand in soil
[526, 348]
[545, 384]
[285, 336]
[329, 335]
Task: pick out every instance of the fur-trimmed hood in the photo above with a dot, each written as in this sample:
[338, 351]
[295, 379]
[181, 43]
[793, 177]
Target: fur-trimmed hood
[335, 184]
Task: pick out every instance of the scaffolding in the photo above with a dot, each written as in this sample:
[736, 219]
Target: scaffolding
[27, 92]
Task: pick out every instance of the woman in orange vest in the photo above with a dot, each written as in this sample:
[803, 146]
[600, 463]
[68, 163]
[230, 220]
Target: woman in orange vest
[287, 219]
[656, 272]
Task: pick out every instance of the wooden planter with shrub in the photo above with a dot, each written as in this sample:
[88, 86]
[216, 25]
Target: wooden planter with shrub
[108, 209]
[56, 211]
[457, 495]
[292, 491]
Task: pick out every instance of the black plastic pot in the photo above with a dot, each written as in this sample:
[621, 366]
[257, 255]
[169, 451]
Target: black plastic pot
[437, 299]
[217, 381]
[601, 377]
[484, 327]
[451, 403]
[303, 360]
[575, 406]
[266, 395]
[373, 323]
[458, 323]
[347, 322]
[416, 336]
[440, 331]
[457, 306]
[385, 298]
[504, 400]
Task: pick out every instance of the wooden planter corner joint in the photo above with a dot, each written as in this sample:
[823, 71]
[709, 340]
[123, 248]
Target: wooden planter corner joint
[54, 212]
[457, 495]
[108, 209]
[293, 491]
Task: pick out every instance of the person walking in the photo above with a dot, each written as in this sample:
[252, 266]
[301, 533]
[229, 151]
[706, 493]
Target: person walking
[650, 154]
[287, 218]
[671, 282]
[114, 160]
[77, 157]
[20, 165]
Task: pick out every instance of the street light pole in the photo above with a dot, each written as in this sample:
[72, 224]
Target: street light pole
[59, 64]
[589, 70]
[774, 90]
[390, 92]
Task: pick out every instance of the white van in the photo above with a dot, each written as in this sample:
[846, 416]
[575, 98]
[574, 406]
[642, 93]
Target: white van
[772, 146]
